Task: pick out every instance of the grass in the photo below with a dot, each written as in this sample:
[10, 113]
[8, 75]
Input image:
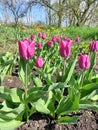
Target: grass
[9, 35]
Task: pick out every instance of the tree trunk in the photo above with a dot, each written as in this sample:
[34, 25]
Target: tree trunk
[59, 20]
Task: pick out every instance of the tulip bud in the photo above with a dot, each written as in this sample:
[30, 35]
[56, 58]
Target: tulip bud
[77, 39]
[44, 36]
[39, 62]
[50, 43]
[54, 38]
[39, 45]
[58, 39]
[32, 37]
[94, 46]
[84, 61]
[65, 49]
[39, 34]
[26, 49]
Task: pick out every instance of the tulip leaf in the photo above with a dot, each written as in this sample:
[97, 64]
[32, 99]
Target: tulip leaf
[88, 88]
[37, 81]
[68, 104]
[9, 125]
[68, 120]
[69, 70]
[41, 107]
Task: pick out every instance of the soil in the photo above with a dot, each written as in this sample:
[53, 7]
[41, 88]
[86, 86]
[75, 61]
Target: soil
[88, 119]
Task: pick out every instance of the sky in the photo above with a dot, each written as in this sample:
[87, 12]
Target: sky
[37, 14]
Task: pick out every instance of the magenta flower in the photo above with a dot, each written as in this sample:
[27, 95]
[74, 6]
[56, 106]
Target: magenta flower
[84, 61]
[58, 39]
[26, 49]
[94, 46]
[32, 37]
[77, 39]
[44, 36]
[39, 45]
[39, 62]
[50, 43]
[39, 34]
[54, 38]
[66, 39]
[65, 48]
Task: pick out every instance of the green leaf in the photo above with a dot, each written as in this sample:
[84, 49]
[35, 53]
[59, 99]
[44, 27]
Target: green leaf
[68, 120]
[14, 94]
[88, 105]
[87, 89]
[68, 104]
[9, 125]
[41, 107]
[69, 70]
[37, 81]
[93, 62]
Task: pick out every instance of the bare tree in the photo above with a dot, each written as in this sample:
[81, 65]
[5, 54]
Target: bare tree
[17, 8]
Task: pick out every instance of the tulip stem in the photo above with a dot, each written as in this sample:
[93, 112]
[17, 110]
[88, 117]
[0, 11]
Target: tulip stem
[63, 71]
[82, 76]
[26, 89]
[26, 79]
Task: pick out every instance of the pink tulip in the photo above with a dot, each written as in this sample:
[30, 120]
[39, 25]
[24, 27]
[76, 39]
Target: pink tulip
[39, 34]
[65, 48]
[26, 49]
[44, 36]
[32, 37]
[84, 61]
[39, 45]
[94, 46]
[58, 39]
[39, 62]
[66, 39]
[50, 43]
[77, 39]
[54, 38]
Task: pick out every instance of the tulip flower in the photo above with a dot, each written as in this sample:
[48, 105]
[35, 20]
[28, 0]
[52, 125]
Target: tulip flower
[32, 37]
[39, 34]
[44, 36]
[65, 48]
[66, 39]
[94, 46]
[58, 39]
[54, 38]
[39, 45]
[50, 43]
[26, 49]
[39, 62]
[77, 39]
[84, 61]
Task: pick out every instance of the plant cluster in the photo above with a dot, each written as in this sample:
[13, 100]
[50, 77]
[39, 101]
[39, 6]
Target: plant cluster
[58, 88]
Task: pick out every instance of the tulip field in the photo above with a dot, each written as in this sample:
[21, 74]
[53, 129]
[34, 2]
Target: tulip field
[58, 71]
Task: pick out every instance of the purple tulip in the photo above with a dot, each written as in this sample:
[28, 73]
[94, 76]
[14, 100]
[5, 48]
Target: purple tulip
[54, 38]
[39, 62]
[44, 36]
[65, 48]
[84, 61]
[66, 39]
[58, 39]
[50, 43]
[26, 49]
[77, 39]
[39, 34]
[39, 45]
[32, 37]
[94, 46]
